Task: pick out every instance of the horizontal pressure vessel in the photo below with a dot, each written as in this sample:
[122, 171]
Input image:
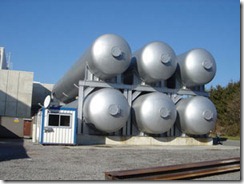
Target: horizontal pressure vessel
[154, 113]
[196, 67]
[108, 56]
[106, 109]
[155, 61]
[196, 115]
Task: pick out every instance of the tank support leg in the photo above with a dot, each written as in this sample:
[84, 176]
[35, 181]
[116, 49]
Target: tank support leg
[80, 110]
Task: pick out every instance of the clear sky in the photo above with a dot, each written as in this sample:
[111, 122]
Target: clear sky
[48, 36]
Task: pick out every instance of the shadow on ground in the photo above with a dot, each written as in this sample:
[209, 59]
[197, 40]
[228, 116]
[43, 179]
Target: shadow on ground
[219, 140]
[12, 149]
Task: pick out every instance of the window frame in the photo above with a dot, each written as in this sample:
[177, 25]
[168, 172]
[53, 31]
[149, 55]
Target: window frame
[59, 120]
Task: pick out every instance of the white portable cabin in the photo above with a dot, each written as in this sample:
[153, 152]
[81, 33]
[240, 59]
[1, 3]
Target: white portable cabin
[58, 126]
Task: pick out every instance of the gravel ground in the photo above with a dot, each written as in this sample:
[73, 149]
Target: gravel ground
[24, 160]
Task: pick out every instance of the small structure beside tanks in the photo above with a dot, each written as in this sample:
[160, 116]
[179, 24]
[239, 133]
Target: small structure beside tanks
[15, 103]
[113, 96]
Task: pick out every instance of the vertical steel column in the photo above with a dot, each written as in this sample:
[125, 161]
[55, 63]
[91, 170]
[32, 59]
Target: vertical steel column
[129, 122]
[124, 131]
[80, 108]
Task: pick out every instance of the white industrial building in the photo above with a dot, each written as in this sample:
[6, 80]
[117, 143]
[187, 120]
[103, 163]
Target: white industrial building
[19, 98]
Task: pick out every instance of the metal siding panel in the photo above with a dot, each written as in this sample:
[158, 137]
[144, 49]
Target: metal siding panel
[65, 135]
[66, 138]
[62, 135]
[56, 137]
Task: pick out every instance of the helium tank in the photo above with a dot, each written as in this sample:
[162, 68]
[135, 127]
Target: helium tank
[196, 115]
[156, 61]
[154, 113]
[107, 109]
[108, 56]
[196, 67]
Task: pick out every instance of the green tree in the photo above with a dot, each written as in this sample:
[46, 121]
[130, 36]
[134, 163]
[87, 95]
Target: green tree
[227, 101]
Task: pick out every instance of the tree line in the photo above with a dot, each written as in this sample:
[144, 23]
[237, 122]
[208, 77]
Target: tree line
[227, 101]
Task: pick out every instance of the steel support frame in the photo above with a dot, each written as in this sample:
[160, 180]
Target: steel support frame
[131, 92]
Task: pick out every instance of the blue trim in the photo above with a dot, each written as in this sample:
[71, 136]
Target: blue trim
[75, 127]
[42, 126]
[63, 108]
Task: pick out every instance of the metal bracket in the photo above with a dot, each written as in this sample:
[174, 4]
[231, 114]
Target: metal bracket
[48, 129]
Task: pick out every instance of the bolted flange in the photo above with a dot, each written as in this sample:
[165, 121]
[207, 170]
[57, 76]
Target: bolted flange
[113, 109]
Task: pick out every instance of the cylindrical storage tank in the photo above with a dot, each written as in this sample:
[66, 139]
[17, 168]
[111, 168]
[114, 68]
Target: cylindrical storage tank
[154, 113]
[155, 61]
[107, 109]
[108, 56]
[196, 67]
[196, 115]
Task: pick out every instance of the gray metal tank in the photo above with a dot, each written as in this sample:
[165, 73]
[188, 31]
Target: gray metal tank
[155, 61]
[196, 115]
[196, 67]
[154, 113]
[107, 109]
[108, 56]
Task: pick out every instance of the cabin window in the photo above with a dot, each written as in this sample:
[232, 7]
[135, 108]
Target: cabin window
[64, 120]
[53, 120]
[59, 120]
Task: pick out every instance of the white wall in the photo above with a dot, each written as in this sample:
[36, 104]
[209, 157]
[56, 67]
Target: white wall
[15, 93]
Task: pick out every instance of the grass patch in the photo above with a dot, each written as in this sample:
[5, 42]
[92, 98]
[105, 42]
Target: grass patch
[226, 137]
[231, 137]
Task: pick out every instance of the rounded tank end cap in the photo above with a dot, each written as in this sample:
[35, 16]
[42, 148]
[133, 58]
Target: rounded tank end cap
[208, 115]
[116, 52]
[114, 109]
[164, 112]
[165, 58]
[207, 64]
